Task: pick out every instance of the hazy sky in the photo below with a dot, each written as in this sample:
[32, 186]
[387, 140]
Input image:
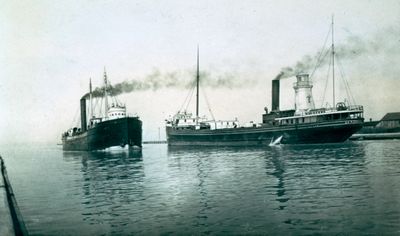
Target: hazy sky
[50, 49]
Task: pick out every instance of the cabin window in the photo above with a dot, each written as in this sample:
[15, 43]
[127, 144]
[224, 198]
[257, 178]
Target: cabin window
[302, 119]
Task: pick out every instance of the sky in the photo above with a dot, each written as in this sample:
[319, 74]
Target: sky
[50, 49]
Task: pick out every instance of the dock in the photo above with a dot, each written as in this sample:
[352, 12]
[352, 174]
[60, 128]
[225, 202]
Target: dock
[374, 136]
[11, 222]
[155, 142]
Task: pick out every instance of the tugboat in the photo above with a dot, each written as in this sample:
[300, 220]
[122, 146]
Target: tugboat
[112, 128]
[305, 124]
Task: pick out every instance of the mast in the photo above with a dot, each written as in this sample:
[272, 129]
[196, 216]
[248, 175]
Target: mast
[105, 94]
[197, 86]
[90, 98]
[333, 66]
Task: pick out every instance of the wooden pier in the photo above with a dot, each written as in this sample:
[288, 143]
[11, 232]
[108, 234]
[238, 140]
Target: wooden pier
[11, 222]
[375, 136]
[155, 142]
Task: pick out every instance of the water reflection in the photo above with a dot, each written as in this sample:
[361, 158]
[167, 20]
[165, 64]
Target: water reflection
[278, 162]
[349, 188]
[226, 187]
[195, 158]
[299, 163]
[111, 181]
[318, 184]
[202, 189]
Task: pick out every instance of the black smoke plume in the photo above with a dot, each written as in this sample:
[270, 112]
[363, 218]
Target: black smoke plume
[384, 42]
[176, 79]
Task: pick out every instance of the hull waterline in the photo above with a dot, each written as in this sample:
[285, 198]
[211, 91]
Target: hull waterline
[331, 132]
[116, 132]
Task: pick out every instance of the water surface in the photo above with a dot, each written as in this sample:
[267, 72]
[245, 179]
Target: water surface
[349, 188]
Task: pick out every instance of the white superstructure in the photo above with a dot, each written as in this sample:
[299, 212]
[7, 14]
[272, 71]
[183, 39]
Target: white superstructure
[116, 111]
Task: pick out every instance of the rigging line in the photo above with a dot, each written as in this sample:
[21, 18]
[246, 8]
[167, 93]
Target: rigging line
[208, 104]
[95, 106]
[187, 96]
[327, 80]
[348, 90]
[101, 106]
[326, 84]
[113, 97]
[191, 96]
[344, 80]
[115, 100]
[319, 60]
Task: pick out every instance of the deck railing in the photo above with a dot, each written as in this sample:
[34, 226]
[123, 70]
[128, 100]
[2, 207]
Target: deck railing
[329, 110]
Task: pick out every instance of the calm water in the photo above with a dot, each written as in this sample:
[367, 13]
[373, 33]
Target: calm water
[349, 188]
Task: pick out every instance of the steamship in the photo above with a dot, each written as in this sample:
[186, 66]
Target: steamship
[305, 124]
[114, 127]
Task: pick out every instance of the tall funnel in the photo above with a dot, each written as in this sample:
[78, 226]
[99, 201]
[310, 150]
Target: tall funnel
[83, 115]
[275, 95]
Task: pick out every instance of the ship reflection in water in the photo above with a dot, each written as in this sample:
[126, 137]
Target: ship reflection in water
[111, 181]
[350, 188]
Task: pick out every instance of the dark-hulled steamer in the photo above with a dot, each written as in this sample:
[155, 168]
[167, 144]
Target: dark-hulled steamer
[303, 125]
[113, 128]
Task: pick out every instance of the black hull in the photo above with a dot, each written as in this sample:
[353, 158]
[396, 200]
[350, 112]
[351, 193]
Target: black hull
[324, 132]
[116, 132]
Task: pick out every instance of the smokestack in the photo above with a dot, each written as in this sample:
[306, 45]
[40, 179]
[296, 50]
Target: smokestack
[83, 114]
[275, 95]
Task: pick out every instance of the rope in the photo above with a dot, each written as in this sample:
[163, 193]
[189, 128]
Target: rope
[208, 104]
[101, 105]
[190, 96]
[319, 60]
[327, 79]
[95, 106]
[347, 87]
[114, 98]
[186, 98]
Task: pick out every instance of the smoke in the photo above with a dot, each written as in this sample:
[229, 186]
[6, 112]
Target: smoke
[176, 79]
[383, 45]
[383, 42]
